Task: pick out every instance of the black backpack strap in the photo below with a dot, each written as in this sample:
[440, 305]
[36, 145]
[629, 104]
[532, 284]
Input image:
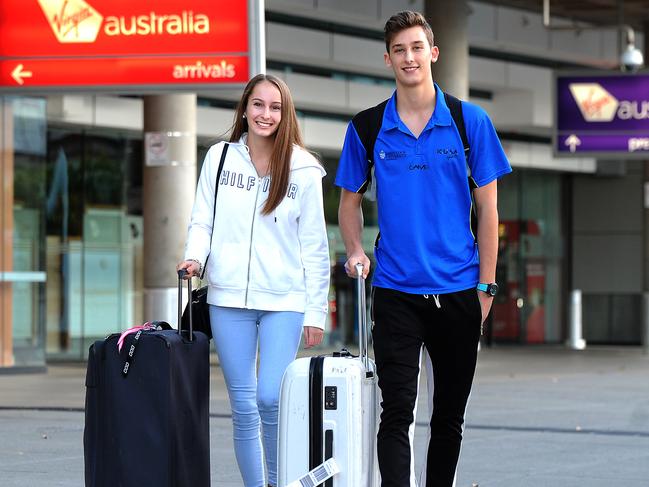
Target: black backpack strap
[455, 106]
[368, 124]
[224, 151]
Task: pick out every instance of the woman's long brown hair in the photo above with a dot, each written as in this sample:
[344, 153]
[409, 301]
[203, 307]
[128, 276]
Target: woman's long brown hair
[287, 134]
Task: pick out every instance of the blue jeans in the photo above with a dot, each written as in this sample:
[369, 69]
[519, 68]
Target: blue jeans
[255, 400]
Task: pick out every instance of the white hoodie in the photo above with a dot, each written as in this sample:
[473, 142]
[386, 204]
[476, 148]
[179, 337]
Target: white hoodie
[275, 262]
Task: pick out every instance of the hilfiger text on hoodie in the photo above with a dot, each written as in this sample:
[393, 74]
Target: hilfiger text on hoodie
[236, 180]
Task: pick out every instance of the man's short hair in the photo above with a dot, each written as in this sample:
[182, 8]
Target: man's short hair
[402, 21]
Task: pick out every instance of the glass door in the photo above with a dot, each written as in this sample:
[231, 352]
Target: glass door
[530, 259]
[23, 128]
[94, 238]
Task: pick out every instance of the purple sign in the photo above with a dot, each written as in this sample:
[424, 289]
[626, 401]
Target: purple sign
[602, 115]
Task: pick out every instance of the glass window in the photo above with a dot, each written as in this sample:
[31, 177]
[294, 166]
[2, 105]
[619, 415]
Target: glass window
[530, 266]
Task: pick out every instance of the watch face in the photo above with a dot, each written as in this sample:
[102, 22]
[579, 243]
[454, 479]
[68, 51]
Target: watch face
[492, 289]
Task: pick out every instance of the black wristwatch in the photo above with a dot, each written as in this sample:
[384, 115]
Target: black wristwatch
[491, 289]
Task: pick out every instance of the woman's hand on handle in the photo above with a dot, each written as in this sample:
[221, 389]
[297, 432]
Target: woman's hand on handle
[192, 267]
[312, 336]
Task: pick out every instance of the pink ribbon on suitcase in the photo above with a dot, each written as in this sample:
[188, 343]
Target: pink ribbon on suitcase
[149, 325]
[146, 326]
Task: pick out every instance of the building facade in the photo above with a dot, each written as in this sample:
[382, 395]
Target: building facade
[72, 168]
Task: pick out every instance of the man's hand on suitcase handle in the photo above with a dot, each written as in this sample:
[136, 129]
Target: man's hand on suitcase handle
[312, 336]
[353, 260]
[192, 268]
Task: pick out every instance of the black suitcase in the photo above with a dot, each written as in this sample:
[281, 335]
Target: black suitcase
[147, 418]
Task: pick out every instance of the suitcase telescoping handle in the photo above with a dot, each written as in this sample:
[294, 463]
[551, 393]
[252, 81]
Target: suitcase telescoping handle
[362, 316]
[181, 274]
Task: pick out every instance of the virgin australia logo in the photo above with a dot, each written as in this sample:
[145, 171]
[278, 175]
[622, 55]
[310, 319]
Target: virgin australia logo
[598, 105]
[72, 20]
[75, 21]
[594, 102]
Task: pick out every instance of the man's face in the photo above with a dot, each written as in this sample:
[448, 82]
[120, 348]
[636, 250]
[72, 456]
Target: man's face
[410, 57]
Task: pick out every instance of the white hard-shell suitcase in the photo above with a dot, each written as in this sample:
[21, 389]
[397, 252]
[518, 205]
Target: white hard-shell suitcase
[328, 409]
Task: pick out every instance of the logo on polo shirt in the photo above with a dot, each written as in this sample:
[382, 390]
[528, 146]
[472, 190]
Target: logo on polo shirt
[449, 152]
[391, 156]
[418, 167]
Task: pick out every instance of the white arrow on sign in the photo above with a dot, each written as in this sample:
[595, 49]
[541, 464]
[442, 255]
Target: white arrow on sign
[18, 74]
[573, 141]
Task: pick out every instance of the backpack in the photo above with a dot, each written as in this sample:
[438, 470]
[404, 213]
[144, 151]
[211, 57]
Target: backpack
[368, 124]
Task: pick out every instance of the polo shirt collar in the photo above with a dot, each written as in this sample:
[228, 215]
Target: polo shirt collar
[441, 115]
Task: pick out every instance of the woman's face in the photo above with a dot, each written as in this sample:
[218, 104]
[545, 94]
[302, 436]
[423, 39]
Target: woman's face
[264, 109]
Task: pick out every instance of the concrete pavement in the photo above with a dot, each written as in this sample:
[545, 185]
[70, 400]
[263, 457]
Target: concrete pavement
[538, 416]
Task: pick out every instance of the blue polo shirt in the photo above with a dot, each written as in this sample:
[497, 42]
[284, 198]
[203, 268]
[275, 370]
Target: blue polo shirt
[426, 245]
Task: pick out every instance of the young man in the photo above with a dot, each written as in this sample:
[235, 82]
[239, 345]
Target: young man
[429, 286]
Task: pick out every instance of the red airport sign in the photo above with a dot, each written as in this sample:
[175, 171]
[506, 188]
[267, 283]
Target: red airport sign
[124, 43]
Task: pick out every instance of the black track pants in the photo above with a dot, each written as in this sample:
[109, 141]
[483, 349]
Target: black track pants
[449, 326]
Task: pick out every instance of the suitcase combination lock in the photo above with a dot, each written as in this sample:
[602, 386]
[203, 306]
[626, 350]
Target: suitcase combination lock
[331, 397]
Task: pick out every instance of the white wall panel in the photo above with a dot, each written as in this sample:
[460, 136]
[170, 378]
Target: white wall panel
[487, 73]
[519, 27]
[609, 45]
[486, 105]
[291, 43]
[358, 53]
[482, 21]
[213, 123]
[309, 5]
[538, 83]
[539, 156]
[363, 95]
[322, 134]
[356, 8]
[116, 112]
[70, 109]
[388, 8]
[585, 42]
[518, 153]
[317, 92]
[512, 108]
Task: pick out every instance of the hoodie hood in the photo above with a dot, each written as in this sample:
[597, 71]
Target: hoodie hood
[300, 157]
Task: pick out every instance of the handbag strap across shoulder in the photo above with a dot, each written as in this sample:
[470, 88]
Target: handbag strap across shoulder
[216, 191]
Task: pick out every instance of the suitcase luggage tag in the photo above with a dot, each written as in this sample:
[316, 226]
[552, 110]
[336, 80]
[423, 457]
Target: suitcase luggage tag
[148, 326]
[318, 475]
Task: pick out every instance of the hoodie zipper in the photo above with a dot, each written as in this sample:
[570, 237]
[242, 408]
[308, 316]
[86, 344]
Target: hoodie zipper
[252, 231]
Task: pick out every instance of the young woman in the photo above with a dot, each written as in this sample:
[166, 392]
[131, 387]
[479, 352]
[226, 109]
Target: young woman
[268, 267]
